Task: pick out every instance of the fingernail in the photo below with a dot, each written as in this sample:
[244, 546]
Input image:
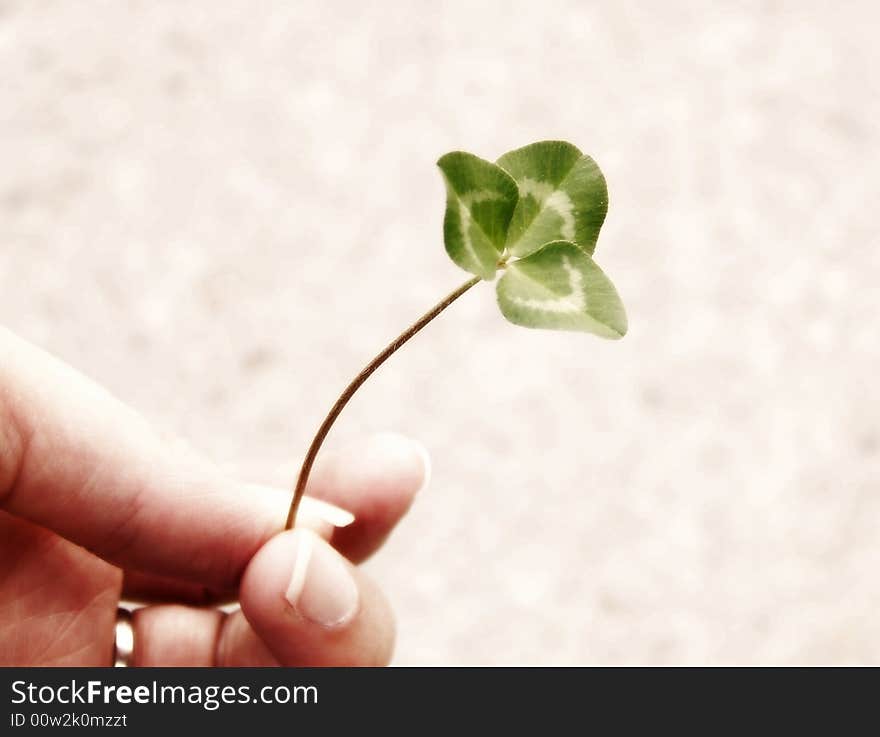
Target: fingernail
[336, 516]
[321, 588]
[426, 466]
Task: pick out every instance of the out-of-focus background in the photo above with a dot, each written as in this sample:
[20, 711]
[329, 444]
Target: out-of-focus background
[222, 210]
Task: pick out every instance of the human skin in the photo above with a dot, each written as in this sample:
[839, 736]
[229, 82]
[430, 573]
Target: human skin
[96, 506]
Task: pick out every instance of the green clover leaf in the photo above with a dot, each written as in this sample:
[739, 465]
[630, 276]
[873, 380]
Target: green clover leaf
[480, 199]
[562, 196]
[560, 287]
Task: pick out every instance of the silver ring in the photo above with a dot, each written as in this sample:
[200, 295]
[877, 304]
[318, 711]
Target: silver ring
[124, 645]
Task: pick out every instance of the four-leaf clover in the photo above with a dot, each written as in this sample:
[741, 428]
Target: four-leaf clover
[536, 215]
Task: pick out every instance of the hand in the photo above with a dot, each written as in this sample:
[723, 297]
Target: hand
[95, 507]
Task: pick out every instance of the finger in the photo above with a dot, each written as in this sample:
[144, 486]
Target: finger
[175, 636]
[142, 587]
[377, 480]
[181, 636]
[75, 460]
[312, 607]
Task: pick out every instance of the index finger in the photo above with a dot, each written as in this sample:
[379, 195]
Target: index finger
[77, 461]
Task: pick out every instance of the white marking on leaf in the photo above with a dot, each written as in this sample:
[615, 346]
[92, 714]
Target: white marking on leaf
[573, 302]
[541, 191]
[562, 204]
[555, 199]
[464, 215]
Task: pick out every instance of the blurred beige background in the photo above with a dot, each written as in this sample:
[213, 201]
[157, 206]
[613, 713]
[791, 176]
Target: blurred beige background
[221, 210]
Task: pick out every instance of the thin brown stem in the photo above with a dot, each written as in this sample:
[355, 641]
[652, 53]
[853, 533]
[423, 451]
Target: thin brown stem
[365, 373]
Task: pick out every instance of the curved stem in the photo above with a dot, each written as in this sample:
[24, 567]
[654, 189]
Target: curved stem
[349, 391]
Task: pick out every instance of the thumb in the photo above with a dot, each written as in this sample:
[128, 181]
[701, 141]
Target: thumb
[310, 606]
